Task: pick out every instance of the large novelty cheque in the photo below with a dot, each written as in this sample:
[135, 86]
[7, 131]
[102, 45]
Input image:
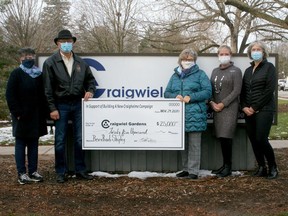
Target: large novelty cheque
[133, 124]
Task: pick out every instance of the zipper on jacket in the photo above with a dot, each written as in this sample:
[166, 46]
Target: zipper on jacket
[182, 80]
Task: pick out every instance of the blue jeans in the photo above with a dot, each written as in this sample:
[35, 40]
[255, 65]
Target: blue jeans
[32, 154]
[69, 111]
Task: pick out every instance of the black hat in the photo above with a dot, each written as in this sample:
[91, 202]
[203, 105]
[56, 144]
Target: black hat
[64, 34]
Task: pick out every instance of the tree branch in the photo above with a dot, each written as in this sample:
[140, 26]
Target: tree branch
[254, 11]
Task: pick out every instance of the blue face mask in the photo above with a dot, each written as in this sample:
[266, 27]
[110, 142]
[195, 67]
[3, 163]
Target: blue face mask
[66, 47]
[28, 63]
[256, 55]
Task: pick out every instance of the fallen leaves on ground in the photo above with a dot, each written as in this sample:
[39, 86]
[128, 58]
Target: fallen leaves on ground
[241, 195]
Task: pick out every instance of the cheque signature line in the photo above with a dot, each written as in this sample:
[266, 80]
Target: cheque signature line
[161, 131]
[172, 132]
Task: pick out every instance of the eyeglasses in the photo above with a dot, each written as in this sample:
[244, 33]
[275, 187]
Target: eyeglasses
[190, 60]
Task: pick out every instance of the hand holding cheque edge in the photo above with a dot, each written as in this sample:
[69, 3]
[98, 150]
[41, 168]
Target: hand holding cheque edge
[185, 99]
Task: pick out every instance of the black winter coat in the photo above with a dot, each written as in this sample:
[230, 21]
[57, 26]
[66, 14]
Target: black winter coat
[258, 87]
[60, 87]
[26, 101]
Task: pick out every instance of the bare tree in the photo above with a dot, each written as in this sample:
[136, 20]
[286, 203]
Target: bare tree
[34, 22]
[198, 22]
[281, 50]
[210, 23]
[93, 38]
[54, 17]
[281, 21]
[109, 19]
[20, 21]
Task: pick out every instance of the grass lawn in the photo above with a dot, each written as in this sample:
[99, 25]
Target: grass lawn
[280, 131]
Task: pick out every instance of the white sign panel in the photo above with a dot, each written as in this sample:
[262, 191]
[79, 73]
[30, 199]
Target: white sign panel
[142, 77]
[133, 124]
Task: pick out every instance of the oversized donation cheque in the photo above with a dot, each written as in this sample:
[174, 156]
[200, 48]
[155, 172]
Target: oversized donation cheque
[133, 124]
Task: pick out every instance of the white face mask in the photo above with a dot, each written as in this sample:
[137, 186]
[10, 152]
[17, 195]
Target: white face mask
[224, 59]
[187, 64]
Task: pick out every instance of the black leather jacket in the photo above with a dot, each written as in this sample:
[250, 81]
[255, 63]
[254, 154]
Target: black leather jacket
[60, 87]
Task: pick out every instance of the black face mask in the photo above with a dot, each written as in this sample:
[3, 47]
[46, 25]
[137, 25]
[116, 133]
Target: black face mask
[28, 63]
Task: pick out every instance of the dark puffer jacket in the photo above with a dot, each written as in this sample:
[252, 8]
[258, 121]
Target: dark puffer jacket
[258, 87]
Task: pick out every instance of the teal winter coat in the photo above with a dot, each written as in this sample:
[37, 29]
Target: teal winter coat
[196, 84]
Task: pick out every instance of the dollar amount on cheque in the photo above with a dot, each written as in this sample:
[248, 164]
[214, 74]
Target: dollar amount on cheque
[133, 124]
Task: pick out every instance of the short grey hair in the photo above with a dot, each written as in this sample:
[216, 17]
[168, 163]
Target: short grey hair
[187, 52]
[262, 45]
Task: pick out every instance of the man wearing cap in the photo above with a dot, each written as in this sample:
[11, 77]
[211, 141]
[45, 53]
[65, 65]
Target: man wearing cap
[67, 79]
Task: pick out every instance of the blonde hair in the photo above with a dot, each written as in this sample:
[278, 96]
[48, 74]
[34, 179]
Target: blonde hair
[224, 47]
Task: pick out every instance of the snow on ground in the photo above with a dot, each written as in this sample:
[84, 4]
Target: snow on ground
[145, 175]
[6, 136]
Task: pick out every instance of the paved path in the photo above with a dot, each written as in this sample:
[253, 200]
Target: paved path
[44, 150]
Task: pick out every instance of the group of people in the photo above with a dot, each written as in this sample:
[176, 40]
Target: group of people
[56, 93]
[225, 92]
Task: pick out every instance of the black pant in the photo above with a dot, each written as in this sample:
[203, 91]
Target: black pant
[258, 129]
[226, 148]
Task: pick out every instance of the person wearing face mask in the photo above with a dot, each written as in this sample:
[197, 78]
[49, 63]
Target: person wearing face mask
[67, 79]
[27, 105]
[258, 104]
[226, 83]
[190, 85]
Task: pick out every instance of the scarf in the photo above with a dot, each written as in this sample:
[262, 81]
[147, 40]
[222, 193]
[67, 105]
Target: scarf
[32, 72]
[182, 72]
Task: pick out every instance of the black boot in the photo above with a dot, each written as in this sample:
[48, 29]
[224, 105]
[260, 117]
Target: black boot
[217, 171]
[182, 174]
[273, 172]
[261, 171]
[226, 171]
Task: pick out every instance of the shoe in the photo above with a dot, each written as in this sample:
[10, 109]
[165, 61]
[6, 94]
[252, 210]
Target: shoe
[192, 176]
[218, 170]
[24, 179]
[182, 174]
[83, 175]
[260, 172]
[273, 172]
[225, 172]
[36, 177]
[61, 178]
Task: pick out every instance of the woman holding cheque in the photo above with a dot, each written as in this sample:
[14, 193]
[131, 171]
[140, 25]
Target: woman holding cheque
[191, 85]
